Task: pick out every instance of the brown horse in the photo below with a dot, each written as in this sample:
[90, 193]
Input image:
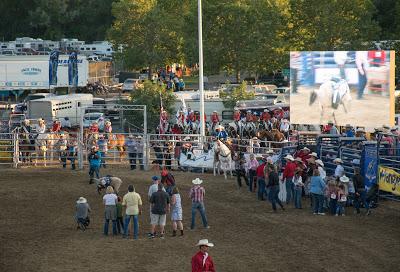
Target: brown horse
[117, 141]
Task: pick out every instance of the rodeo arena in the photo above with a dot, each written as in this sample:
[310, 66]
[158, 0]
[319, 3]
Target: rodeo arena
[80, 166]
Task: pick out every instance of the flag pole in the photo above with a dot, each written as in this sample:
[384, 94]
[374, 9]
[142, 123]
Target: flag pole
[201, 79]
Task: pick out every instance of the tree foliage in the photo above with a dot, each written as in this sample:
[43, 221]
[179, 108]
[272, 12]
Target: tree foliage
[238, 93]
[151, 95]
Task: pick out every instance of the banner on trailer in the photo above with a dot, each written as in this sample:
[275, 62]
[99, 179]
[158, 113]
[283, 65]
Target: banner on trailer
[53, 67]
[73, 69]
[389, 180]
[345, 87]
[370, 166]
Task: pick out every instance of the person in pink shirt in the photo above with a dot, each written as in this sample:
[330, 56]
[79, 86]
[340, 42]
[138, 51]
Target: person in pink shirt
[251, 168]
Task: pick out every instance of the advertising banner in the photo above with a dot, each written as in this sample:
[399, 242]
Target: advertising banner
[53, 65]
[73, 69]
[370, 166]
[345, 87]
[389, 180]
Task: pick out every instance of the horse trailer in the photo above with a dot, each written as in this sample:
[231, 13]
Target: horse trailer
[58, 107]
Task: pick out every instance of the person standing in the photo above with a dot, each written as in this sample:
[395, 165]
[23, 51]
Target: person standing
[298, 189]
[202, 261]
[288, 174]
[240, 165]
[197, 194]
[133, 203]
[339, 170]
[261, 180]
[131, 147]
[273, 187]
[317, 191]
[251, 168]
[160, 205]
[168, 181]
[110, 201]
[360, 192]
[176, 213]
[362, 66]
[94, 163]
[103, 149]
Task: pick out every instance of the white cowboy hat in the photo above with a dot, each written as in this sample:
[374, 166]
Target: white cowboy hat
[394, 128]
[266, 110]
[220, 127]
[299, 160]
[320, 163]
[338, 160]
[254, 138]
[26, 121]
[215, 111]
[204, 242]
[360, 130]
[285, 120]
[197, 181]
[344, 179]
[355, 161]
[108, 122]
[139, 137]
[81, 200]
[130, 136]
[306, 148]
[313, 154]
[93, 147]
[289, 157]
[40, 120]
[101, 136]
[270, 151]
[187, 138]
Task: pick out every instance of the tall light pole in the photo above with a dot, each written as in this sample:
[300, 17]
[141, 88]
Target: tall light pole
[201, 80]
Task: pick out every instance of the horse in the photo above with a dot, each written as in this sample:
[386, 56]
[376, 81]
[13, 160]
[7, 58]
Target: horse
[331, 94]
[26, 145]
[222, 158]
[117, 141]
[249, 130]
[90, 138]
[103, 182]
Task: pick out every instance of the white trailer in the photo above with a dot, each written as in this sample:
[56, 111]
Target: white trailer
[59, 107]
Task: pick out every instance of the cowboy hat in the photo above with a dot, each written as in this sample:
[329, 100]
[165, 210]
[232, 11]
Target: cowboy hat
[360, 130]
[254, 138]
[305, 148]
[130, 136]
[220, 127]
[355, 161]
[139, 137]
[93, 147]
[187, 138]
[204, 242]
[197, 181]
[289, 157]
[81, 200]
[344, 179]
[338, 160]
[285, 120]
[266, 110]
[348, 126]
[319, 162]
[394, 128]
[313, 154]
[299, 160]
[101, 136]
[40, 120]
[270, 151]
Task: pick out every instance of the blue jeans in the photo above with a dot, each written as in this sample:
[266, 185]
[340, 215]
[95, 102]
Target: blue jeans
[340, 208]
[135, 220]
[289, 189]
[103, 162]
[114, 226]
[332, 206]
[94, 170]
[198, 206]
[318, 203]
[361, 198]
[273, 196]
[261, 188]
[252, 174]
[297, 197]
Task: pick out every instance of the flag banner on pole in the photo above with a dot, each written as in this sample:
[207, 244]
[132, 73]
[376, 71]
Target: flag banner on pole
[53, 65]
[73, 69]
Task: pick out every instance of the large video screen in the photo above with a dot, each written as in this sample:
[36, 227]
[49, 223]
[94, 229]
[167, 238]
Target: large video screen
[344, 87]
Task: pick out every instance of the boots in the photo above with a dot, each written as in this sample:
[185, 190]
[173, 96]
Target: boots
[173, 233]
[181, 232]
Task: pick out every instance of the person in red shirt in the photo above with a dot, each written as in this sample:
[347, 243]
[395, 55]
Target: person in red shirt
[202, 261]
[168, 181]
[265, 116]
[249, 116]
[261, 180]
[303, 154]
[236, 116]
[279, 113]
[288, 174]
[56, 126]
[214, 118]
[94, 128]
[191, 118]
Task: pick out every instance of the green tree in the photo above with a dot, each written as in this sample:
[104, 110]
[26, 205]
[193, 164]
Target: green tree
[150, 94]
[238, 93]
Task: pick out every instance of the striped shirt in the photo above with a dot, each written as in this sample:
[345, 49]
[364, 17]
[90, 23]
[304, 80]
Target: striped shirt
[197, 193]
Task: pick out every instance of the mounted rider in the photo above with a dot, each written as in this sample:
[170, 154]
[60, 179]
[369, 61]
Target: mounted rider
[56, 128]
[265, 119]
[214, 119]
[181, 120]
[41, 127]
[249, 116]
[279, 113]
[221, 133]
[107, 129]
[94, 127]
[61, 146]
[236, 116]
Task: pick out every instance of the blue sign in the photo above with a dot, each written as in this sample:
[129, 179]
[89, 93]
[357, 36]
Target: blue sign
[73, 69]
[53, 65]
[370, 165]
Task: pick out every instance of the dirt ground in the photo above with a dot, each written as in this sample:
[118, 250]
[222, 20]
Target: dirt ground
[372, 111]
[38, 233]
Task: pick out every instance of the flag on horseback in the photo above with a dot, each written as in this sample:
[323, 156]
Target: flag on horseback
[163, 125]
[181, 114]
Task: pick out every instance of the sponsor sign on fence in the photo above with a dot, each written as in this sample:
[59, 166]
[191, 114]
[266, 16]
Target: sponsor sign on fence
[389, 180]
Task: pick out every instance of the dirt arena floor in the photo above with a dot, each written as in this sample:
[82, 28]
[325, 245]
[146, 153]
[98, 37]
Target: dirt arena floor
[38, 232]
[373, 110]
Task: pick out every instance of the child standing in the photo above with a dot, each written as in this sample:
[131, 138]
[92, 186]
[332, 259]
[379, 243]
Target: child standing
[120, 222]
[341, 200]
[94, 162]
[332, 195]
[298, 189]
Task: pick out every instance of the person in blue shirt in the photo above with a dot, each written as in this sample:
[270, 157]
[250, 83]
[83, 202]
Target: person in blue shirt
[317, 191]
[94, 163]
[349, 131]
[221, 133]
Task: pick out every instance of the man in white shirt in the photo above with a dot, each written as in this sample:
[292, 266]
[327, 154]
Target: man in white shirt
[339, 171]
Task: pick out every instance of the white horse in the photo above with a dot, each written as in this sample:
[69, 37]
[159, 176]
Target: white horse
[41, 147]
[222, 158]
[332, 94]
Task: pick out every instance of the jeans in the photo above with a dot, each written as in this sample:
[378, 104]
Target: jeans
[198, 206]
[103, 162]
[297, 196]
[132, 160]
[361, 198]
[318, 203]
[135, 220]
[140, 158]
[120, 224]
[261, 188]
[114, 226]
[340, 208]
[94, 170]
[273, 196]
[362, 82]
[289, 189]
[332, 206]
[252, 174]
[239, 175]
